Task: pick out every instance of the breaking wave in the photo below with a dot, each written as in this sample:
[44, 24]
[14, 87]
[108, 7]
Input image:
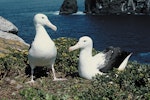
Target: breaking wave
[57, 13]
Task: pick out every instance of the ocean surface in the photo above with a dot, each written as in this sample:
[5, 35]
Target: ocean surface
[131, 33]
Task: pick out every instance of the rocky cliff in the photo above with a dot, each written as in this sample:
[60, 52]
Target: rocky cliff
[68, 7]
[8, 38]
[107, 7]
[117, 7]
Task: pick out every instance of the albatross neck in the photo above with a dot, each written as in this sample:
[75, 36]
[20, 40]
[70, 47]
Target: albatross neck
[86, 52]
[41, 32]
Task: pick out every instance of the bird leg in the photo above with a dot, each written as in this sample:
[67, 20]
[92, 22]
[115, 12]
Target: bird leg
[54, 75]
[32, 72]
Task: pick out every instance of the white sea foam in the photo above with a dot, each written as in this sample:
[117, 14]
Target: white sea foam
[57, 13]
[79, 13]
[53, 12]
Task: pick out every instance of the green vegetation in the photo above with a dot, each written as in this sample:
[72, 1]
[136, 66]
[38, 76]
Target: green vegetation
[131, 84]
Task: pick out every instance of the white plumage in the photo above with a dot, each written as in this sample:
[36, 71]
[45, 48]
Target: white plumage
[90, 65]
[43, 51]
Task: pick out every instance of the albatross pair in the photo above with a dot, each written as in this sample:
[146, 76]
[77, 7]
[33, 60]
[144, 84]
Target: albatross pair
[43, 52]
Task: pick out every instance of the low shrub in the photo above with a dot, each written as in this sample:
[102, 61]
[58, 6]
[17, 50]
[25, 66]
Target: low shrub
[36, 94]
[131, 84]
[13, 64]
[66, 61]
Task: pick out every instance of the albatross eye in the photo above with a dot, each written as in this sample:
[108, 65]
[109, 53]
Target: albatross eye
[42, 17]
[84, 41]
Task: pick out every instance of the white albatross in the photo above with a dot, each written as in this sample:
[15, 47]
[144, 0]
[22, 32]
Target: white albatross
[102, 62]
[43, 51]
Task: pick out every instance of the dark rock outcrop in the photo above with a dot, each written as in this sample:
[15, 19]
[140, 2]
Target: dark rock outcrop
[7, 26]
[91, 6]
[69, 7]
[103, 7]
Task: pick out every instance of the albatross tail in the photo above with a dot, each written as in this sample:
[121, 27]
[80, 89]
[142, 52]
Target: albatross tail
[124, 63]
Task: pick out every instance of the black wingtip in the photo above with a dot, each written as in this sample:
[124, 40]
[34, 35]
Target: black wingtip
[114, 59]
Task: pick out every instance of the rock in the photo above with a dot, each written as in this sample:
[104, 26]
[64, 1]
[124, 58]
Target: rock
[13, 93]
[12, 82]
[7, 79]
[103, 6]
[68, 7]
[90, 6]
[143, 6]
[7, 26]
[19, 86]
[106, 7]
[115, 7]
[14, 37]
[9, 42]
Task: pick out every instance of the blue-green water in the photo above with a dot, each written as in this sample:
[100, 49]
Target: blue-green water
[131, 33]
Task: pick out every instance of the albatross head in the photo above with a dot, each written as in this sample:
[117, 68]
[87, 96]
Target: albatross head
[41, 19]
[84, 42]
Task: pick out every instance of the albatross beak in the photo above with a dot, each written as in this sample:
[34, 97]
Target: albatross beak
[72, 48]
[50, 25]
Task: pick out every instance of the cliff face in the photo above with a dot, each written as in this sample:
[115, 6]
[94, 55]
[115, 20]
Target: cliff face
[106, 7]
[117, 7]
